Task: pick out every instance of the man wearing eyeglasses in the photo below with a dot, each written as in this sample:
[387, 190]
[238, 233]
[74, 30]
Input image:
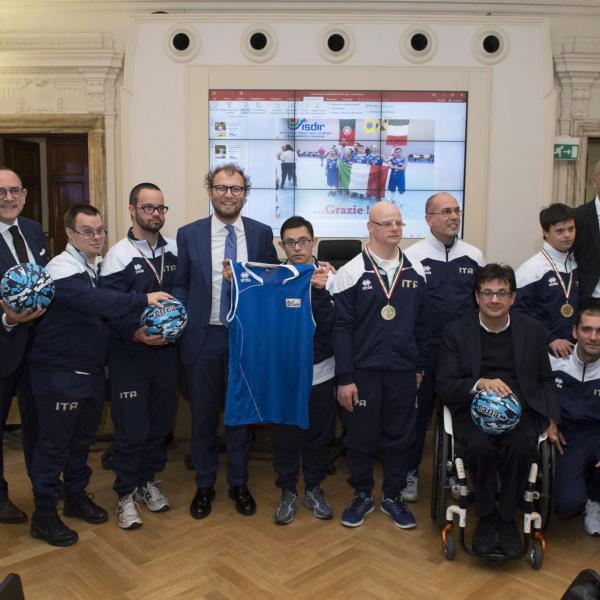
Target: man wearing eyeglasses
[504, 352]
[142, 367]
[21, 241]
[450, 268]
[202, 247]
[68, 358]
[298, 242]
[381, 340]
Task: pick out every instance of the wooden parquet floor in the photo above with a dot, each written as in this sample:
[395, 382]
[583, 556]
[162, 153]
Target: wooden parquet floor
[228, 556]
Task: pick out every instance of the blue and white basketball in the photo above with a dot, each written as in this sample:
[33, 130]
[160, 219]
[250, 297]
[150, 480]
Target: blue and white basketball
[168, 321]
[27, 285]
[495, 414]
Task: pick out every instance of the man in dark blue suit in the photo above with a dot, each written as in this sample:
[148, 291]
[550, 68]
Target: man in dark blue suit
[202, 247]
[21, 240]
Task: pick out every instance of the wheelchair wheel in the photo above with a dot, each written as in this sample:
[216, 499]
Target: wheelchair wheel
[449, 548]
[536, 555]
[545, 480]
[439, 483]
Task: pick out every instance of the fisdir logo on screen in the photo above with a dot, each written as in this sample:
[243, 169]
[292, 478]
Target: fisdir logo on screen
[304, 125]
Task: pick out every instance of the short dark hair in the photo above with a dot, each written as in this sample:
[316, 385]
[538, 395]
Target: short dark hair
[136, 189]
[592, 308]
[77, 209]
[296, 221]
[555, 213]
[230, 169]
[496, 271]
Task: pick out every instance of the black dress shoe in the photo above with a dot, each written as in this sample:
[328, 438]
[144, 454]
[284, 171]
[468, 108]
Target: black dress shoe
[244, 502]
[9, 513]
[484, 537]
[52, 530]
[200, 507]
[509, 537]
[83, 508]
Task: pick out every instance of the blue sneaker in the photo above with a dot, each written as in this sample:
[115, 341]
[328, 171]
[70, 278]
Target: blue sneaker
[399, 512]
[362, 505]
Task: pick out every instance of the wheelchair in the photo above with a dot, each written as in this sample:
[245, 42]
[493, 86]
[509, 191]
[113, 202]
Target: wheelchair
[449, 480]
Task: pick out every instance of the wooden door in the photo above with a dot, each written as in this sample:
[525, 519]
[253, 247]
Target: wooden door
[23, 158]
[68, 182]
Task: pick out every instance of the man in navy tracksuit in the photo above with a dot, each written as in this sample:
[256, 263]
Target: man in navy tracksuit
[577, 378]
[451, 266]
[21, 241]
[548, 283]
[68, 359]
[381, 338]
[142, 368]
[298, 242]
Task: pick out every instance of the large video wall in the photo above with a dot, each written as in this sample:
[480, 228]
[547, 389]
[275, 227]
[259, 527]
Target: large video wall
[331, 155]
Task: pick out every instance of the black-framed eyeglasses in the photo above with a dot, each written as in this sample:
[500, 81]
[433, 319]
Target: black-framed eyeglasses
[13, 191]
[221, 190]
[447, 212]
[500, 294]
[90, 234]
[302, 242]
[149, 209]
[389, 224]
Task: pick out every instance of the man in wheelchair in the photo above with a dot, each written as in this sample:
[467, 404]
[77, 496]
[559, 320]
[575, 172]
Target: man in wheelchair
[498, 351]
[577, 480]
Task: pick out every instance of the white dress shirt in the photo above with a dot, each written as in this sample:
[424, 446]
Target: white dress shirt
[218, 234]
[8, 238]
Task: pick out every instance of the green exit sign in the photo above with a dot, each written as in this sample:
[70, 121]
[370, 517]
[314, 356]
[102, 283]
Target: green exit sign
[566, 148]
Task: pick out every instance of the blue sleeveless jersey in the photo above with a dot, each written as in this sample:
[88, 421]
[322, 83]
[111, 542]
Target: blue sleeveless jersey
[271, 332]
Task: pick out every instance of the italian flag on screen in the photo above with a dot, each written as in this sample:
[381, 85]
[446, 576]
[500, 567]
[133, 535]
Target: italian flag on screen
[397, 133]
[369, 179]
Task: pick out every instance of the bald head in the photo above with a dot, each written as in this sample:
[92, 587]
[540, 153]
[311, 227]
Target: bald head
[385, 227]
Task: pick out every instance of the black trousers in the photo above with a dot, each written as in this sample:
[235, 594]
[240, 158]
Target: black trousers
[287, 440]
[207, 378]
[143, 398]
[18, 382]
[69, 405]
[486, 456]
[384, 419]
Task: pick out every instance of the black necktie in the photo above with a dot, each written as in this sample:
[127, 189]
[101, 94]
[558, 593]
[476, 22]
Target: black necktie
[19, 244]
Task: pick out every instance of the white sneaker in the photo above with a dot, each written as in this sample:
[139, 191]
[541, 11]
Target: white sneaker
[411, 492]
[128, 516]
[152, 497]
[591, 521]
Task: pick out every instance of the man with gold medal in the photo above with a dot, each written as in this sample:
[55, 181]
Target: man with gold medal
[548, 283]
[381, 339]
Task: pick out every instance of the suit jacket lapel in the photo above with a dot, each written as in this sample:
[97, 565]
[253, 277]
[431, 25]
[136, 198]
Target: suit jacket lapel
[518, 346]
[594, 225]
[6, 256]
[32, 240]
[473, 338]
[204, 249]
[251, 241]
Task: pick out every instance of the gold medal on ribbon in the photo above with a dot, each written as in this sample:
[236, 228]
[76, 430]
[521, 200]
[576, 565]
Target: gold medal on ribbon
[566, 310]
[388, 312]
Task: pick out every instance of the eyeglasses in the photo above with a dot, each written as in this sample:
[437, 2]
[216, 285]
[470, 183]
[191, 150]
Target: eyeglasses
[221, 190]
[150, 208]
[89, 234]
[447, 212]
[13, 191]
[302, 242]
[389, 224]
[489, 294]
